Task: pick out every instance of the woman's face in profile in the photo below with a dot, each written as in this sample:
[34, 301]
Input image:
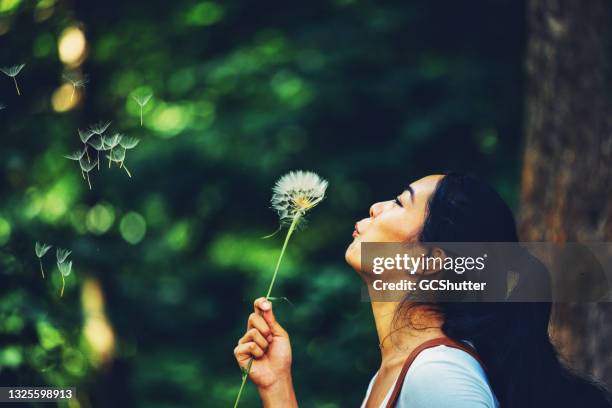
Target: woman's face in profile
[397, 220]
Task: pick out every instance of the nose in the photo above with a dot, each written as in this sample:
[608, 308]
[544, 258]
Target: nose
[375, 209]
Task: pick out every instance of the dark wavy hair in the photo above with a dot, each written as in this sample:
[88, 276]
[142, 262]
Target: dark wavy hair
[512, 339]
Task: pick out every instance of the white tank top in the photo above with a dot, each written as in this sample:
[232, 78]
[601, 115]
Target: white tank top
[442, 376]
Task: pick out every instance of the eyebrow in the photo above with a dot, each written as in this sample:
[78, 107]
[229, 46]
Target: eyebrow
[411, 191]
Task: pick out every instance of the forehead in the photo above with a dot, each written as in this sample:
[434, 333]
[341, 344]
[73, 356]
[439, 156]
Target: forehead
[424, 187]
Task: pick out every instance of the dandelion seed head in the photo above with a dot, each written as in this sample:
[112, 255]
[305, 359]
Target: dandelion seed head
[65, 268]
[12, 71]
[297, 192]
[41, 249]
[62, 254]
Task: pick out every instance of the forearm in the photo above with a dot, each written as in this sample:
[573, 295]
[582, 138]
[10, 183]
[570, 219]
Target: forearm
[280, 394]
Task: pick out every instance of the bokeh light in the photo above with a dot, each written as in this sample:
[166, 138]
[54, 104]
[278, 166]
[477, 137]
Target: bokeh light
[133, 227]
[204, 13]
[170, 119]
[72, 46]
[9, 6]
[100, 218]
[64, 99]
[43, 45]
[10, 356]
[178, 236]
[59, 198]
[97, 330]
[5, 231]
[48, 335]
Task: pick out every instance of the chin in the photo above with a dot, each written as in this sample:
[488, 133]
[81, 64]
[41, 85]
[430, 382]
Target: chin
[352, 256]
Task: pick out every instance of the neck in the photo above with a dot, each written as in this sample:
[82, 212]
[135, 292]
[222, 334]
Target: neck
[399, 340]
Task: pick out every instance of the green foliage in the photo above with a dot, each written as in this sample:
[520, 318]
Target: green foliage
[369, 95]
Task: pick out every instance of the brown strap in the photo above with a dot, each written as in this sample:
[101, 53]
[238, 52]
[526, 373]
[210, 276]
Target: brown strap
[441, 341]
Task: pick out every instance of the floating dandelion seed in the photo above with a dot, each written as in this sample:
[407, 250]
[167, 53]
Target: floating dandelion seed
[77, 156]
[86, 167]
[129, 142]
[85, 135]
[97, 144]
[65, 268]
[110, 142]
[99, 128]
[41, 250]
[294, 194]
[118, 156]
[2, 107]
[13, 72]
[61, 254]
[142, 100]
[76, 82]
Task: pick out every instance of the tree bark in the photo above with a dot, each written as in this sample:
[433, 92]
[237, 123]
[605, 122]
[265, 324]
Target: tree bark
[566, 192]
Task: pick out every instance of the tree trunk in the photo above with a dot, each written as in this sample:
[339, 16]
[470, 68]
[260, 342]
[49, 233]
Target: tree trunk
[566, 192]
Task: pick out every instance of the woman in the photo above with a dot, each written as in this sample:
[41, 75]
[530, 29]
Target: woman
[439, 354]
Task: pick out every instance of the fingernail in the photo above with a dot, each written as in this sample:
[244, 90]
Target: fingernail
[265, 305]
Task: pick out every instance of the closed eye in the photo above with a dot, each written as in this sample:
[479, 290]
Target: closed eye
[398, 202]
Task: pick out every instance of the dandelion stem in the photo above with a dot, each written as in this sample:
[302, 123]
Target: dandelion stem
[98, 161]
[127, 171]
[110, 158]
[296, 219]
[141, 115]
[88, 182]
[245, 375]
[17, 86]
[41, 268]
[63, 285]
[72, 94]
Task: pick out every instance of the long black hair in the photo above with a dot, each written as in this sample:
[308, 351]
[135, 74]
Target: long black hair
[512, 338]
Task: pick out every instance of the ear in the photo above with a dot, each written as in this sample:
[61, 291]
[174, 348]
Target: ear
[437, 257]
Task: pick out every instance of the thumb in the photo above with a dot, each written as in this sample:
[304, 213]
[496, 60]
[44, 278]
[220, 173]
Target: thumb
[268, 315]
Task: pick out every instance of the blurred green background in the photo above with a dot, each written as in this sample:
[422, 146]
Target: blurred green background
[370, 95]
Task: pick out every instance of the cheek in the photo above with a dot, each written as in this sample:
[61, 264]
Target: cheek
[412, 227]
[390, 229]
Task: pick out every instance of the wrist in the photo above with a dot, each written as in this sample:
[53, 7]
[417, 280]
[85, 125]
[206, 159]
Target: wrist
[281, 393]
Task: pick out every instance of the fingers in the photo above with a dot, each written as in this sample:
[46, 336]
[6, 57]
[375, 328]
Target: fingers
[261, 305]
[253, 335]
[244, 352]
[258, 323]
[264, 307]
